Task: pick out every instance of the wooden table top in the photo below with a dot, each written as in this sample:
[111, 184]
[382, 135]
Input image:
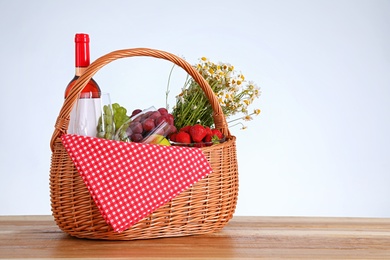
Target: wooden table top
[32, 237]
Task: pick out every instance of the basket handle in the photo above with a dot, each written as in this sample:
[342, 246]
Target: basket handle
[62, 122]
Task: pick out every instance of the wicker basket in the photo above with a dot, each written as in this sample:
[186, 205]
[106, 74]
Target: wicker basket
[205, 207]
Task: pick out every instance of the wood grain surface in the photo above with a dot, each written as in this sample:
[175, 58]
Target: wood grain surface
[38, 237]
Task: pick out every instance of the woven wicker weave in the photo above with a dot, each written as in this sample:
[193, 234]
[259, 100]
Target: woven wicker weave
[205, 207]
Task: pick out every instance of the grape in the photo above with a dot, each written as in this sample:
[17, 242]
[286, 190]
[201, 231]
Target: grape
[120, 116]
[172, 129]
[136, 127]
[123, 135]
[115, 120]
[136, 119]
[136, 137]
[170, 119]
[108, 121]
[145, 116]
[161, 119]
[106, 129]
[128, 131]
[148, 124]
[107, 110]
[135, 112]
[160, 131]
[163, 111]
[155, 115]
[108, 135]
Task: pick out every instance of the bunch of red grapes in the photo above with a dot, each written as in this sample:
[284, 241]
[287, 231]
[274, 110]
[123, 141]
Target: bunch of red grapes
[144, 123]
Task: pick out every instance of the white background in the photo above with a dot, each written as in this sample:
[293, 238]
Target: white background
[321, 144]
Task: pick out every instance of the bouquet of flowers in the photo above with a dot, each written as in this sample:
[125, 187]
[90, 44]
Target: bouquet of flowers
[234, 93]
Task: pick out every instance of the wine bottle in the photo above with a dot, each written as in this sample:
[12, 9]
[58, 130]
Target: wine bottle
[92, 90]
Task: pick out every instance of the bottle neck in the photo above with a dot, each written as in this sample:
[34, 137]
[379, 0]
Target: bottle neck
[79, 71]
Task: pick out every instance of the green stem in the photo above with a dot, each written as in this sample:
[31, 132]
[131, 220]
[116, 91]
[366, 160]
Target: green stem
[240, 118]
[167, 92]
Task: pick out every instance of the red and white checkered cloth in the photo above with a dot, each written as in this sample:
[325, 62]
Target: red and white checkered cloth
[128, 181]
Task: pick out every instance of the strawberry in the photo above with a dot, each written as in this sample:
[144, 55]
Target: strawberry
[208, 130]
[185, 129]
[172, 137]
[183, 137]
[197, 133]
[208, 138]
[217, 133]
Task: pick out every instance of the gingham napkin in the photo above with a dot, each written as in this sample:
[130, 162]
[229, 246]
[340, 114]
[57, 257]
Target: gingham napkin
[128, 181]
